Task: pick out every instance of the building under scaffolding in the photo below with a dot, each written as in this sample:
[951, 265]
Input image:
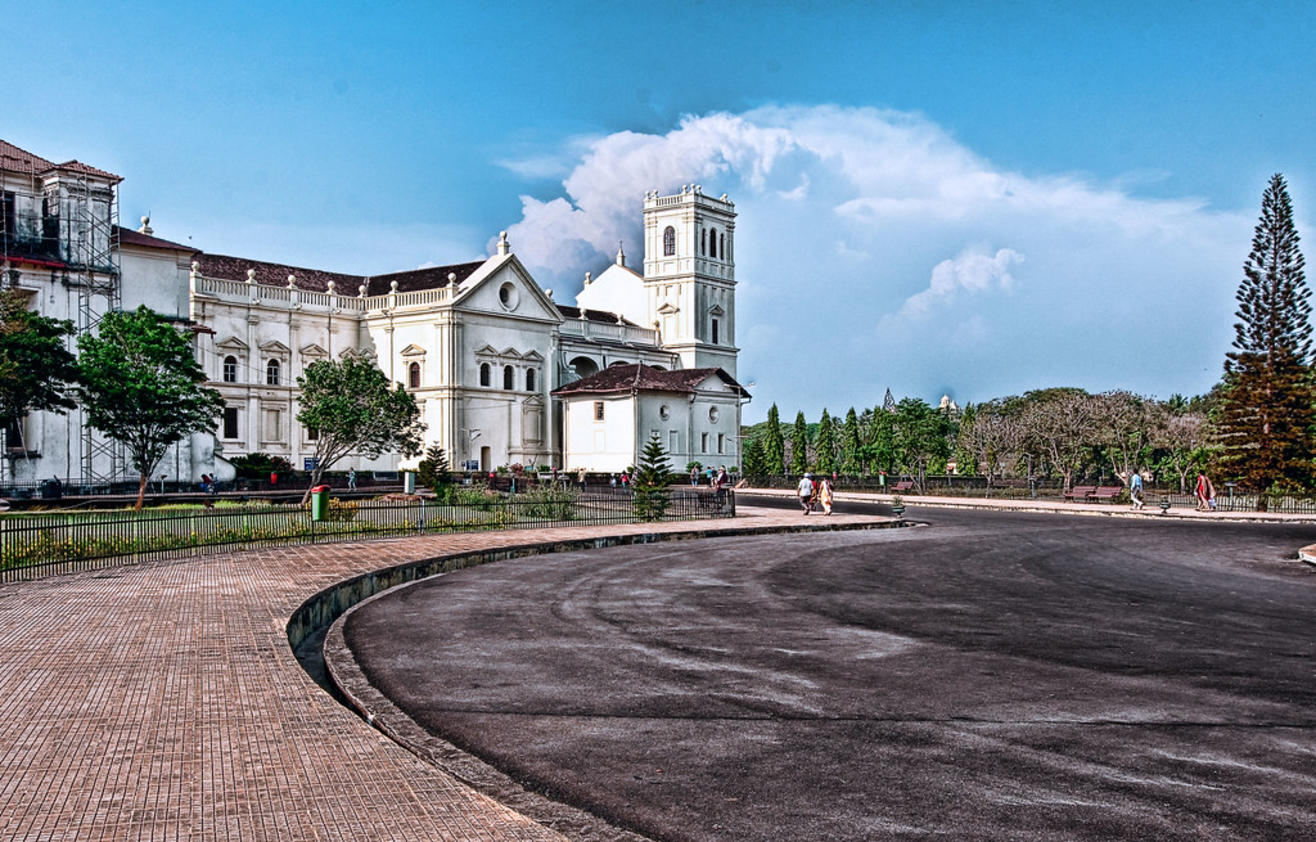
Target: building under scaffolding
[59, 229]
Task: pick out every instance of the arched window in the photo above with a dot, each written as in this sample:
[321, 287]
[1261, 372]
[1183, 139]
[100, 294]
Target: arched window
[484, 374]
[703, 241]
[529, 379]
[669, 241]
[722, 246]
[509, 378]
[712, 242]
[413, 375]
[230, 369]
[272, 373]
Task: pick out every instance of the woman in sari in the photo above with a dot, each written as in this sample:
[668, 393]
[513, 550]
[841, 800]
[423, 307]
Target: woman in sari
[825, 495]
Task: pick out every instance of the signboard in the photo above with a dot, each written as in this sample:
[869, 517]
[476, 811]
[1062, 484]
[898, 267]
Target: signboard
[308, 464]
[471, 465]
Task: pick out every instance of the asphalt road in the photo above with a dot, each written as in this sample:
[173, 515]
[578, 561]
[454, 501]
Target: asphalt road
[989, 676]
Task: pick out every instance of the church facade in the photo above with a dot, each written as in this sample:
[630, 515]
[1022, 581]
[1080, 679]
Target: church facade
[485, 350]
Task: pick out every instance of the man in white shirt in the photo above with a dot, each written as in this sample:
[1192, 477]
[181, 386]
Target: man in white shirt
[805, 491]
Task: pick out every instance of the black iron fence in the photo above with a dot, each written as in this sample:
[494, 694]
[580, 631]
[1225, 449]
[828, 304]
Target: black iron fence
[45, 543]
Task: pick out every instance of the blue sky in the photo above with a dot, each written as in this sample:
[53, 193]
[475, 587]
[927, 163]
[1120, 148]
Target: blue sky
[979, 198]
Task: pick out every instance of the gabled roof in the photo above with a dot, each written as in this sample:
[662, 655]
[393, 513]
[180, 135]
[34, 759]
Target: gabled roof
[226, 267]
[569, 312]
[129, 237]
[431, 277]
[639, 377]
[14, 159]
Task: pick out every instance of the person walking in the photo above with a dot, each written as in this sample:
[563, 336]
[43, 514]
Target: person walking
[1204, 492]
[694, 475]
[805, 492]
[351, 479]
[1135, 490]
[825, 495]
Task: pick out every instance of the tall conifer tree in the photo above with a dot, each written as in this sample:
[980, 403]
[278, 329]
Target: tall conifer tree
[851, 456]
[774, 445]
[1266, 418]
[799, 445]
[825, 446]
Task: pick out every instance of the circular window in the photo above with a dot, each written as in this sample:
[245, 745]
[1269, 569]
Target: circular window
[664, 412]
[508, 296]
[712, 414]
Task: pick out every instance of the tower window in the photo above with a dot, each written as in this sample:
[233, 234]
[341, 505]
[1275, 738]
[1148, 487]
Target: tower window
[712, 242]
[669, 241]
[484, 374]
[722, 246]
[598, 410]
[703, 241]
[230, 369]
[413, 375]
[509, 378]
[272, 373]
[714, 331]
[529, 379]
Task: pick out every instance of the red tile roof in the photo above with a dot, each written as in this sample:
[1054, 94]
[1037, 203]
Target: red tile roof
[14, 159]
[569, 312]
[129, 237]
[646, 378]
[432, 277]
[230, 268]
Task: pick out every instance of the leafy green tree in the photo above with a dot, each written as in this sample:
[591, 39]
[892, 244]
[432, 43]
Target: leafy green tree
[350, 404]
[37, 372]
[1057, 428]
[852, 458]
[825, 445]
[880, 449]
[1266, 419]
[433, 472]
[140, 384]
[650, 495]
[774, 446]
[920, 437]
[799, 445]
[966, 461]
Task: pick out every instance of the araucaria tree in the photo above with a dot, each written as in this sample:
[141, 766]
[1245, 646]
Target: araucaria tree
[140, 384]
[353, 409]
[652, 476]
[799, 445]
[774, 445]
[1266, 416]
[36, 370]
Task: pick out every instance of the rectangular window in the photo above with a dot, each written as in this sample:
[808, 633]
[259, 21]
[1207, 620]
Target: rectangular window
[720, 442]
[230, 422]
[312, 434]
[271, 425]
[672, 441]
[714, 331]
[703, 442]
[598, 410]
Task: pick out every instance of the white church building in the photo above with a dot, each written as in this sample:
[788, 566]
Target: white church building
[502, 373]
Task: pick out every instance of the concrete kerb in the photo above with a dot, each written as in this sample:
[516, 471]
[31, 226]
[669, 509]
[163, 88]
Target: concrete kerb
[332, 606]
[1308, 554]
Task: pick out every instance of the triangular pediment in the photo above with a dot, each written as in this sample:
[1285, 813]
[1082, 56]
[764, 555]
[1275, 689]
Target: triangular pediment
[232, 343]
[313, 350]
[413, 350]
[668, 309]
[511, 353]
[717, 310]
[487, 351]
[533, 356]
[482, 291]
[274, 346]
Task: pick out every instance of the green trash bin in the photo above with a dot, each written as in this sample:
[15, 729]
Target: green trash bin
[320, 502]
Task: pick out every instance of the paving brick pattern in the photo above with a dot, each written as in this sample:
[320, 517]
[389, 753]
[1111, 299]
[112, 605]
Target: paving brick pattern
[162, 702]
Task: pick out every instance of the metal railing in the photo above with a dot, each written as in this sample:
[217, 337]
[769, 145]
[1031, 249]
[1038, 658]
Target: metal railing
[45, 543]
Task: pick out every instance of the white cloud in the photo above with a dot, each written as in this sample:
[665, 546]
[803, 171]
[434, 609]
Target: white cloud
[843, 210]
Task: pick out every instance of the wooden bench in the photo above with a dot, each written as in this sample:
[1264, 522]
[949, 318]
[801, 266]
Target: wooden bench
[903, 485]
[1106, 492]
[1081, 493]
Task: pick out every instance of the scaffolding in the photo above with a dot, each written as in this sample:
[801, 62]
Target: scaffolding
[65, 219]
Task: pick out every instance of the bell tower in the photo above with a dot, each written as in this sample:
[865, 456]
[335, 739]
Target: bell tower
[690, 275]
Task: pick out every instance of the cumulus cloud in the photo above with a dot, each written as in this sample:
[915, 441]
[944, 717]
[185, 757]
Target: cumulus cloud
[846, 218]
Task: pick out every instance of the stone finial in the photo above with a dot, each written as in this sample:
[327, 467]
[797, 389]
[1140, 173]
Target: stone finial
[146, 226]
[452, 279]
[331, 287]
[621, 255]
[589, 278]
[196, 267]
[504, 247]
[292, 282]
[724, 197]
[620, 319]
[392, 287]
[549, 293]
[251, 276]
[361, 291]
[699, 188]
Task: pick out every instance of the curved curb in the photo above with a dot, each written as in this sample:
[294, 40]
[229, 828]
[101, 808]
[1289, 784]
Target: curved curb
[380, 712]
[1308, 554]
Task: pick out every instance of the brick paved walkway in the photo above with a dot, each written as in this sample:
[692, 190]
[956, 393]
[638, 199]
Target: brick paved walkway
[162, 702]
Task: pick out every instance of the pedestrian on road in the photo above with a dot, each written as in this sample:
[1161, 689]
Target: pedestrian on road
[805, 491]
[351, 479]
[825, 495]
[1135, 489]
[694, 475]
